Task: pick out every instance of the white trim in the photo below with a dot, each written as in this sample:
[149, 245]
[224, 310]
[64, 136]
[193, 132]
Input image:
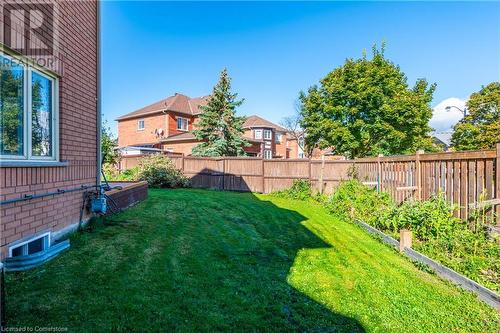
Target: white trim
[270, 154]
[177, 124]
[52, 119]
[29, 112]
[28, 69]
[261, 135]
[24, 156]
[55, 92]
[270, 134]
[33, 238]
[278, 137]
[139, 128]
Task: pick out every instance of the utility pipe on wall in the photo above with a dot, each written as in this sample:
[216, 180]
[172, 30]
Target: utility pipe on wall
[98, 99]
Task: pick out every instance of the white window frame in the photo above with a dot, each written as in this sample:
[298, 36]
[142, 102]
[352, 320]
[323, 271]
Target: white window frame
[268, 134]
[28, 69]
[270, 154]
[278, 138]
[24, 244]
[257, 134]
[139, 122]
[183, 121]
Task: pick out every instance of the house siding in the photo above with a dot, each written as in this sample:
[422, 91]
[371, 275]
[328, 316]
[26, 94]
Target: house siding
[78, 74]
[280, 148]
[172, 123]
[130, 135]
[182, 147]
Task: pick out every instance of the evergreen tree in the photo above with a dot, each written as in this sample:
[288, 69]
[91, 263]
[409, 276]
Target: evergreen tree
[219, 127]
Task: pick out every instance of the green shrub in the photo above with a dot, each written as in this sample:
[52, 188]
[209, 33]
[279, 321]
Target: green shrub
[112, 174]
[130, 174]
[160, 172]
[353, 200]
[467, 252]
[300, 190]
[428, 219]
[463, 247]
[457, 244]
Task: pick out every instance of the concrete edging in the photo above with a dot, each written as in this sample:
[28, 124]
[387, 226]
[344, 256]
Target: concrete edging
[130, 185]
[486, 295]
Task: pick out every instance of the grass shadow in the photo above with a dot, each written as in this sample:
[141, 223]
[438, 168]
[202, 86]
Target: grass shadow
[186, 260]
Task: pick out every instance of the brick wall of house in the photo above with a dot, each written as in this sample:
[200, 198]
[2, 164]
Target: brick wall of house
[293, 148]
[180, 147]
[172, 123]
[76, 53]
[129, 134]
[281, 147]
[248, 133]
[254, 148]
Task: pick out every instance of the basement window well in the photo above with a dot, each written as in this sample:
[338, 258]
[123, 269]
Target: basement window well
[34, 251]
[31, 246]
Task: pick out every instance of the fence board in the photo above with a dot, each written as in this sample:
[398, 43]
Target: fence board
[461, 176]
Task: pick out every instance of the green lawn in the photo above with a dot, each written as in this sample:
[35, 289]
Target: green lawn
[198, 260]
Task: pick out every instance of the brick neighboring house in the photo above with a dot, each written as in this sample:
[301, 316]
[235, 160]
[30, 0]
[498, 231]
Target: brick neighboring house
[150, 125]
[168, 125]
[50, 146]
[272, 138]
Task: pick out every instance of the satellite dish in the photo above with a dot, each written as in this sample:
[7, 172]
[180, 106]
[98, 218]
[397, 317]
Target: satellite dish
[159, 131]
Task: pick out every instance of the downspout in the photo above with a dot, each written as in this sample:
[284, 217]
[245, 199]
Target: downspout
[99, 102]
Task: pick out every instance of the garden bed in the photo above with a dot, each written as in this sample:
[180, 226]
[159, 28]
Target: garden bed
[127, 194]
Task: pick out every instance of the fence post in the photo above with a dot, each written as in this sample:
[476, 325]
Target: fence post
[379, 173]
[263, 179]
[182, 163]
[404, 239]
[418, 174]
[321, 174]
[224, 174]
[497, 181]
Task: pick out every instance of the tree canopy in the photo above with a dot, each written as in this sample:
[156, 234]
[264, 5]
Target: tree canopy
[365, 108]
[108, 144]
[480, 129]
[292, 124]
[219, 127]
[11, 111]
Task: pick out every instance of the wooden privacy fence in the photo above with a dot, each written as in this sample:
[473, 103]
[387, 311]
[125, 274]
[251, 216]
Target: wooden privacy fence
[260, 175]
[467, 179]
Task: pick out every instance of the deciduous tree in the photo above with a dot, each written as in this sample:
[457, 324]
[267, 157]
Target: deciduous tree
[480, 129]
[292, 124]
[366, 108]
[108, 144]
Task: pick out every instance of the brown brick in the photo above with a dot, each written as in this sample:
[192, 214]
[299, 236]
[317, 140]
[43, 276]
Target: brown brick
[77, 38]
